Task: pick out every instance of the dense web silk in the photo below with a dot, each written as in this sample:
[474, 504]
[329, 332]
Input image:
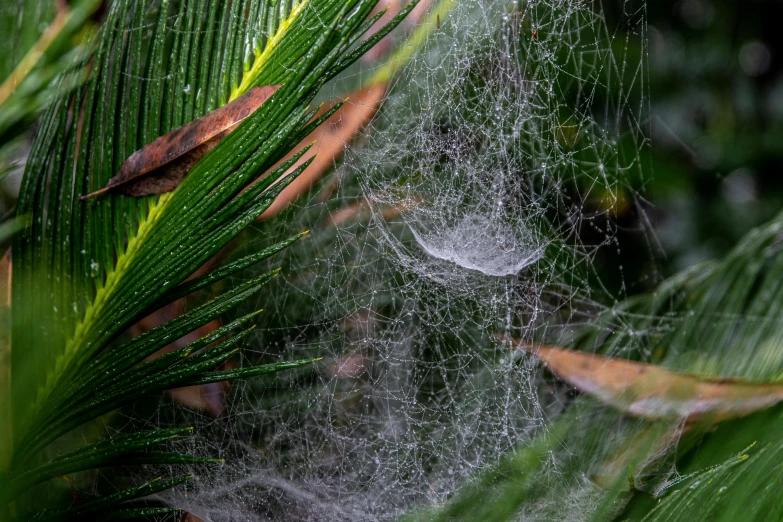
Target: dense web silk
[514, 126]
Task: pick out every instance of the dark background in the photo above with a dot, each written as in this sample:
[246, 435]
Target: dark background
[716, 123]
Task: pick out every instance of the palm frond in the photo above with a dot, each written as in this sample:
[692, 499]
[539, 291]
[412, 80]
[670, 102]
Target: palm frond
[86, 271]
[105, 507]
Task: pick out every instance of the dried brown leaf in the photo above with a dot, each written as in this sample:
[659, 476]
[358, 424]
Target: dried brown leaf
[654, 392]
[209, 398]
[331, 139]
[386, 45]
[161, 165]
[382, 48]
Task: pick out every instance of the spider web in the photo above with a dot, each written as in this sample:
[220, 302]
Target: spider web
[475, 203]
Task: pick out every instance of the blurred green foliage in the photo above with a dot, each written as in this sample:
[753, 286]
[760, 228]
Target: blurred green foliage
[716, 125]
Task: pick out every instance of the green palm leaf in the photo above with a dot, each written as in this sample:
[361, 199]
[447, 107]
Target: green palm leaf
[86, 271]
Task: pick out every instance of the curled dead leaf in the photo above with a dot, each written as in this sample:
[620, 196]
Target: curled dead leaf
[331, 139]
[653, 392]
[161, 165]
